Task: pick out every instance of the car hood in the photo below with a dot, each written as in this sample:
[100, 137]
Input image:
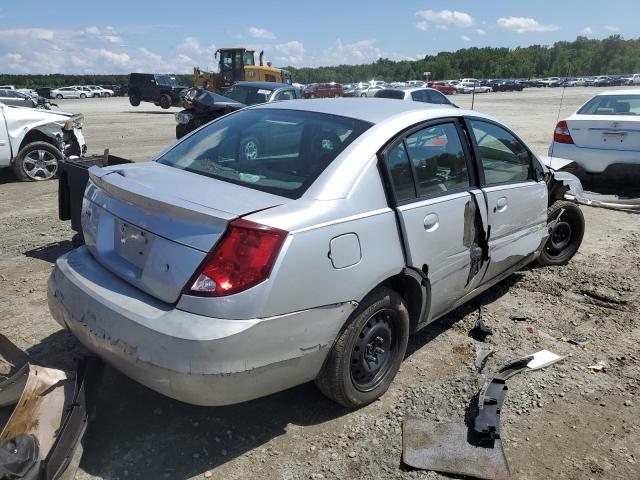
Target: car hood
[36, 115]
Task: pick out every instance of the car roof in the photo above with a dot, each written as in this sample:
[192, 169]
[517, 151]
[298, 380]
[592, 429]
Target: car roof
[631, 91]
[372, 110]
[267, 85]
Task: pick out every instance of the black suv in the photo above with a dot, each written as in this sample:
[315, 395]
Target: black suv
[161, 89]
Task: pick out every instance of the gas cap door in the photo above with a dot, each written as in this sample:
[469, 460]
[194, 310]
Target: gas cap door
[345, 251]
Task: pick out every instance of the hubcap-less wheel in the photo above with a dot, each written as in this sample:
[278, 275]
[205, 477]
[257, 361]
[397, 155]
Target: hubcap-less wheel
[40, 165]
[559, 239]
[374, 351]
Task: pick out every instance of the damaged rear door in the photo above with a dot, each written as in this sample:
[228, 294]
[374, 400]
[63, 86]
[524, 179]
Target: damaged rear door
[439, 209]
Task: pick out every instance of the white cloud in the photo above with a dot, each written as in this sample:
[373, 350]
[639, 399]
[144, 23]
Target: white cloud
[289, 53]
[465, 38]
[586, 31]
[118, 59]
[256, 32]
[524, 24]
[481, 32]
[107, 35]
[150, 55]
[442, 27]
[447, 17]
[27, 33]
[363, 51]
[424, 26]
[15, 58]
[611, 28]
[235, 35]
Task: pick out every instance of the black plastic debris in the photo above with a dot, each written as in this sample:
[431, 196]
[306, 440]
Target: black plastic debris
[18, 457]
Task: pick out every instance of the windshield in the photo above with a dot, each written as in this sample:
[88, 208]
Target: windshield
[166, 80]
[276, 151]
[248, 95]
[612, 105]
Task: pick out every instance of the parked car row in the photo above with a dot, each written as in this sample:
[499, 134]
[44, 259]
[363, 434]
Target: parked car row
[80, 91]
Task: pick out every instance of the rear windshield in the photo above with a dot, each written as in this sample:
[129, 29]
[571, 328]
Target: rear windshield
[248, 95]
[276, 151]
[395, 94]
[612, 105]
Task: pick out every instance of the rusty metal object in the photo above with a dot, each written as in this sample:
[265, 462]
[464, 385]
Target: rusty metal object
[448, 448]
[50, 405]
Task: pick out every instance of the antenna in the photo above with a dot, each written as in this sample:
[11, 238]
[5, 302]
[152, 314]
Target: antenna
[553, 143]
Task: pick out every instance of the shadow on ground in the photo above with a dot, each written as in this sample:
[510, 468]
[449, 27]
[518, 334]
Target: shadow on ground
[51, 252]
[152, 436]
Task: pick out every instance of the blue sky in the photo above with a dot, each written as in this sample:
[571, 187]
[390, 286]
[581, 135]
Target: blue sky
[116, 36]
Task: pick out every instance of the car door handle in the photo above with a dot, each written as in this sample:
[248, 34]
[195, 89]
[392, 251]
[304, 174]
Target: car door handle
[501, 205]
[431, 222]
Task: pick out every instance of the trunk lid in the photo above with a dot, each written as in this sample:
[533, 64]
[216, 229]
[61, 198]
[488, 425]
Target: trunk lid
[606, 132]
[152, 225]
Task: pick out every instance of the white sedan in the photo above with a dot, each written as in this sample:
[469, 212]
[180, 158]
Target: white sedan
[470, 87]
[68, 92]
[603, 132]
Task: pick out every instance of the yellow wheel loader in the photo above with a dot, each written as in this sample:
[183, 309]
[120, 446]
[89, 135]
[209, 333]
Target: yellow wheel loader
[238, 65]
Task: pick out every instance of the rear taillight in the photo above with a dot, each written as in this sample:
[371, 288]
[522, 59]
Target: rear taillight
[561, 134]
[243, 258]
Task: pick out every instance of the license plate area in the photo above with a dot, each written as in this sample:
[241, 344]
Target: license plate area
[132, 243]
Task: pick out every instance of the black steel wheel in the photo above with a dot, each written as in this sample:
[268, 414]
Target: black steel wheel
[368, 352]
[374, 350]
[566, 230]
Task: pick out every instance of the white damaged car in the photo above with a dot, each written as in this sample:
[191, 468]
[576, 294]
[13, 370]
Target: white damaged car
[32, 140]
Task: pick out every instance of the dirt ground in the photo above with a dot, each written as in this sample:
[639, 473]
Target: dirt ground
[563, 422]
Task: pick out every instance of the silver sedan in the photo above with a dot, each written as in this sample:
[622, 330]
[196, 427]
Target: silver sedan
[215, 277]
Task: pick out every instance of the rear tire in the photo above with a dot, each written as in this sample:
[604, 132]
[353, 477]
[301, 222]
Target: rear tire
[165, 101]
[134, 99]
[567, 234]
[368, 352]
[59, 96]
[83, 95]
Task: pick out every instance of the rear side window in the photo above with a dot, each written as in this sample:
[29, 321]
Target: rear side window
[503, 157]
[612, 105]
[395, 94]
[438, 160]
[276, 151]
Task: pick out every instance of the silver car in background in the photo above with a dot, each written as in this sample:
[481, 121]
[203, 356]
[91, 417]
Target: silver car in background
[215, 279]
[415, 94]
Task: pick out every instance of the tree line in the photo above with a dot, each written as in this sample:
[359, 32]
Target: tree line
[582, 57]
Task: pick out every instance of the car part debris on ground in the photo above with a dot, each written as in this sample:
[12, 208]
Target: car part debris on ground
[476, 450]
[42, 438]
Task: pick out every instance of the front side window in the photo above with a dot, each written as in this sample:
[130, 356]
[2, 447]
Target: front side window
[438, 160]
[503, 158]
[276, 151]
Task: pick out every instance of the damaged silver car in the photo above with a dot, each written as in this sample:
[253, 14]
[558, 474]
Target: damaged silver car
[32, 141]
[216, 277]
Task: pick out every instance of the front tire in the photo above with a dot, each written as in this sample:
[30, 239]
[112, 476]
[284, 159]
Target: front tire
[59, 96]
[134, 99]
[83, 95]
[566, 222]
[165, 101]
[37, 161]
[368, 352]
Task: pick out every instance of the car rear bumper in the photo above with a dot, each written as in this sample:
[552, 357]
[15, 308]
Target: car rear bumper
[594, 160]
[189, 357]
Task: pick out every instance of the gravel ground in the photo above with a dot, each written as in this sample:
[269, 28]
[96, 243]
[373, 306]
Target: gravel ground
[563, 422]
